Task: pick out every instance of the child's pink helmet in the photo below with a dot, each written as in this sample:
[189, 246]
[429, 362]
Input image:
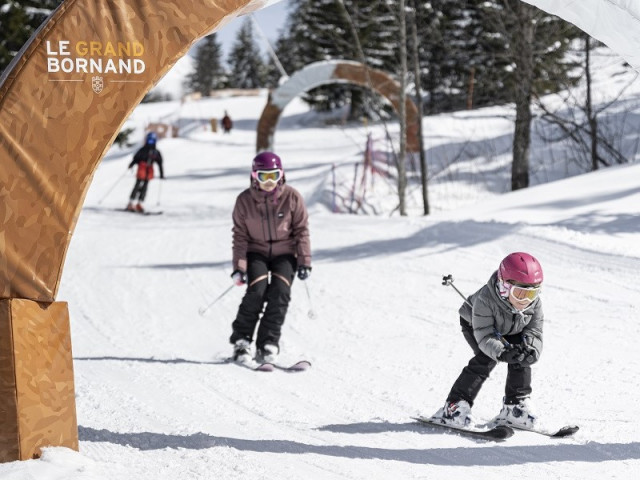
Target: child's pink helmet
[520, 268]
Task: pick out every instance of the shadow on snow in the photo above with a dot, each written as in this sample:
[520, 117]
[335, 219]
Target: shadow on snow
[151, 360]
[498, 455]
[448, 236]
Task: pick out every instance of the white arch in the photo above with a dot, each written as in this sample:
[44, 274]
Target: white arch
[616, 23]
[309, 77]
[333, 71]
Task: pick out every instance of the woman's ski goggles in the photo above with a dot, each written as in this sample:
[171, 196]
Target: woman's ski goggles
[268, 175]
[523, 292]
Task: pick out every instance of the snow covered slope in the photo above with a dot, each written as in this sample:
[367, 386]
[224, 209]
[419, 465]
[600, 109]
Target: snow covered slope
[156, 400]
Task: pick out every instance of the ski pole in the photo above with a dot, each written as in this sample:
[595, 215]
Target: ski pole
[311, 314]
[447, 280]
[113, 186]
[203, 310]
[159, 191]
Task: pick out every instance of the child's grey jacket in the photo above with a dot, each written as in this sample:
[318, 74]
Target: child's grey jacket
[491, 313]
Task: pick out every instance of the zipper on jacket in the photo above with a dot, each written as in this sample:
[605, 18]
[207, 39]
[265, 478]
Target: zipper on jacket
[266, 207]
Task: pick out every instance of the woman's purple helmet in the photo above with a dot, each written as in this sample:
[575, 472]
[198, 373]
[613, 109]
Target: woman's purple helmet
[520, 268]
[264, 162]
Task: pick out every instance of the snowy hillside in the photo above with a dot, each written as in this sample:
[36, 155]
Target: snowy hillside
[155, 399]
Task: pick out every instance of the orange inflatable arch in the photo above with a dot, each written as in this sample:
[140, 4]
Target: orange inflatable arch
[62, 102]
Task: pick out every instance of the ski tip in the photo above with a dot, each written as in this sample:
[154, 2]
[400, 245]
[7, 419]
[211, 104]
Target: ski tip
[147, 212]
[300, 366]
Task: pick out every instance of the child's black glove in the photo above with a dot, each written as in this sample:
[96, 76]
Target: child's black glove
[531, 357]
[512, 355]
[531, 354]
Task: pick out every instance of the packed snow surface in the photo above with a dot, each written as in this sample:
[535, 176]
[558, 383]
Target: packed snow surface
[156, 400]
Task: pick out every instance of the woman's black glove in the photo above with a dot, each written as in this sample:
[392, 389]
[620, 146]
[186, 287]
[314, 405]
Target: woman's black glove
[239, 277]
[304, 272]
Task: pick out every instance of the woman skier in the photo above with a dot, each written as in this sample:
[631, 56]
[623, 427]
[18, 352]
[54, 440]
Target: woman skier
[270, 244]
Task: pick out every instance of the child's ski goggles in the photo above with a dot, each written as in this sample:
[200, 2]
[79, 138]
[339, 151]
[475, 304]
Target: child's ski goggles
[523, 292]
[268, 175]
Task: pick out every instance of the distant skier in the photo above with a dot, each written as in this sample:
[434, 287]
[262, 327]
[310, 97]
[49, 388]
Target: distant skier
[270, 244]
[227, 123]
[145, 157]
[504, 325]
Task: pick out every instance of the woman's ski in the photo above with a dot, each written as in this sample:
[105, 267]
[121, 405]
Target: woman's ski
[251, 364]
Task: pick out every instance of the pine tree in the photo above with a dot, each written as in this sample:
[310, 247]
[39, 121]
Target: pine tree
[274, 75]
[208, 74]
[458, 57]
[286, 51]
[248, 70]
[318, 31]
[473, 41]
[437, 37]
[535, 44]
[18, 21]
[551, 39]
[322, 32]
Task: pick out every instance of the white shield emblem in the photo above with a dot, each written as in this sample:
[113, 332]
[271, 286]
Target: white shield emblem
[97, 84]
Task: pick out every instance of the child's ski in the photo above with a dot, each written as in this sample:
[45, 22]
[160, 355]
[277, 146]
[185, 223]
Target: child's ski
[487, 432]
[562, 432]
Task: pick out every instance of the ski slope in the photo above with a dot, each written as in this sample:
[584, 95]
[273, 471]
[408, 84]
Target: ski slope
[155, 399]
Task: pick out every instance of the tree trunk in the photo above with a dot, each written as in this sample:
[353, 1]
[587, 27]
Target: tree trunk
[402, 171]
[523, 46]
[356, 107]
[417, 79]
[472, 75]
[591, 118]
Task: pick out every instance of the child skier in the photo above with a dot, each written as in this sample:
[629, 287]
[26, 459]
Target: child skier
[144, 158]
[501, 322]
[270, 244]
